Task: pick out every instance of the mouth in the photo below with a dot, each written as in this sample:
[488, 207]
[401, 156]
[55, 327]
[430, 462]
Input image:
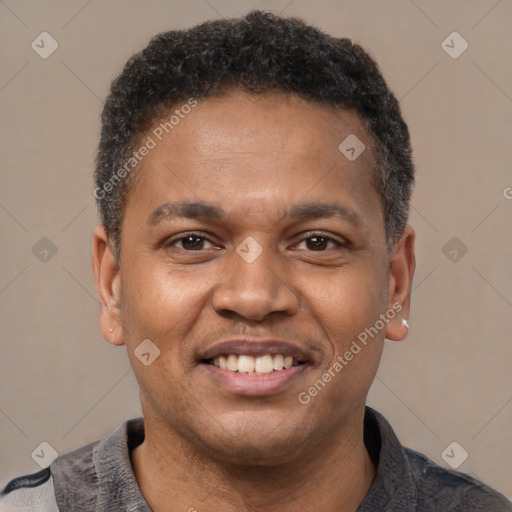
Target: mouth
[254, 368]
[251, 365]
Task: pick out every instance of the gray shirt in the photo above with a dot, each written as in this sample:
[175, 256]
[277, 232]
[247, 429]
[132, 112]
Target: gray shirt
[99, 477]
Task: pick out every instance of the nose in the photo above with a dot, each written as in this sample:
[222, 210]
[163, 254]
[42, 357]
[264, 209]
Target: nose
[254, 290]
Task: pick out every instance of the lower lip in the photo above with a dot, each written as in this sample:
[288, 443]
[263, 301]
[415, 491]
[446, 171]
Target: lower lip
[255, 385]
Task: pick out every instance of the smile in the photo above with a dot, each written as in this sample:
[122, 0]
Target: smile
[254, 367]
[260, 365]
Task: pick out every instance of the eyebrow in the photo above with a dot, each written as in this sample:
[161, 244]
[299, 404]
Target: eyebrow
[314, 210]
[203, 210]
[187, 209]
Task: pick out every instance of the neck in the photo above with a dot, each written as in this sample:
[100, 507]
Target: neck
[335, 474]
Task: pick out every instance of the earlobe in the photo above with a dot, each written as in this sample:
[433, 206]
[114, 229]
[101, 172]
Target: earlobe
[401, 272]
[108, 282]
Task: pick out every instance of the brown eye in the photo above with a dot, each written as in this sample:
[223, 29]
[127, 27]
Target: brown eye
[191, 242]
[317, 243]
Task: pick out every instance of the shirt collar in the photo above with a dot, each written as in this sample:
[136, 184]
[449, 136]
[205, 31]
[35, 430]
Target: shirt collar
[393, 487]
[111, 483]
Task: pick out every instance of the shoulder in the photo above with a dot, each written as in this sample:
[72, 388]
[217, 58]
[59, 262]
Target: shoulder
[33, 492]
[71, 476]
[409, 481]
[42, 491]
[440, 488]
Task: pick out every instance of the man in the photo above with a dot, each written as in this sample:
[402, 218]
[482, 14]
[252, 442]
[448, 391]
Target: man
[253, 179]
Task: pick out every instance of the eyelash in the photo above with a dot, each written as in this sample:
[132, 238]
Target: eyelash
[329, 239]
[173, 242]
[305, 238]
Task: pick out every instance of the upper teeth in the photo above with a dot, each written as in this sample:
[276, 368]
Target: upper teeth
[249, 364]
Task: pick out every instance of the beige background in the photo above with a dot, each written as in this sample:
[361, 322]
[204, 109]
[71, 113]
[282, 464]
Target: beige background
[450, 381]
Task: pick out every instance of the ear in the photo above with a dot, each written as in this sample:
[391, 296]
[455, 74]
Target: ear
[401, 272]
[108, 281]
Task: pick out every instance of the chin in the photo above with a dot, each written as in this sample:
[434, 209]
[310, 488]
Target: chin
[256, 445]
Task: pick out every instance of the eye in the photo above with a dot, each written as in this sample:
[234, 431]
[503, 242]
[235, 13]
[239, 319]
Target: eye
[192, 243]
[319, 243]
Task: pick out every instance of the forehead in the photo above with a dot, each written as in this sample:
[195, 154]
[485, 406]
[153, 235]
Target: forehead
[270, 124]
[261, 148]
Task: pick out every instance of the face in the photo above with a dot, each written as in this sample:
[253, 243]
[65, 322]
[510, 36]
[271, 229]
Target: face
[250, 242]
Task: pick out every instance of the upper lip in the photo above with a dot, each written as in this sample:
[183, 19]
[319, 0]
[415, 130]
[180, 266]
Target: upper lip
[255, 348]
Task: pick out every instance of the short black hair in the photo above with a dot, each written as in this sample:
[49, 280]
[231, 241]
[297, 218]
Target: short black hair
[258, 53]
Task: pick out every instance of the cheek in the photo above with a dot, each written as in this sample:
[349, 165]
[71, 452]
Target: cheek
[156, 299]
[349, 313]
[346, 301]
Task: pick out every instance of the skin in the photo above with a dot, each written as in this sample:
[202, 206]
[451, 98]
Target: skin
[318, 283]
